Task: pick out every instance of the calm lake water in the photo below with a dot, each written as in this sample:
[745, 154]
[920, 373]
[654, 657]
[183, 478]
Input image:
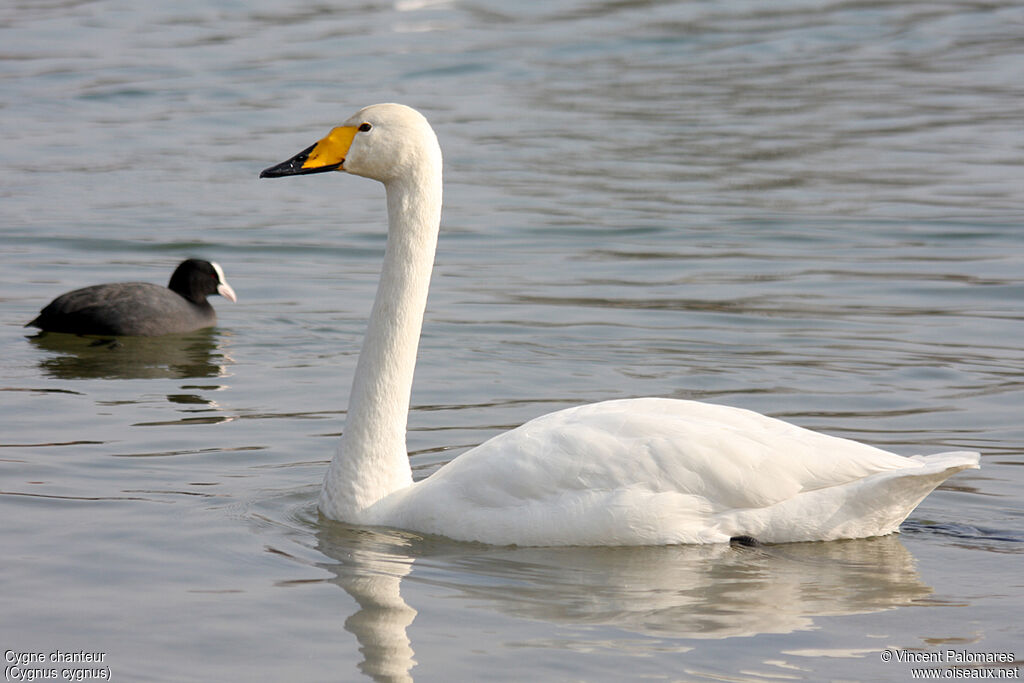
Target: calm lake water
[811, 209]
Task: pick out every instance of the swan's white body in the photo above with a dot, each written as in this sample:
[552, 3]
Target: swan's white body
[628, 472]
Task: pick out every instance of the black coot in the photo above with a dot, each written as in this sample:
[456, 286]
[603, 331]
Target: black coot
[140, 309]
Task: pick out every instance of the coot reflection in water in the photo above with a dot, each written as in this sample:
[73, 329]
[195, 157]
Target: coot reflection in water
[202, 353]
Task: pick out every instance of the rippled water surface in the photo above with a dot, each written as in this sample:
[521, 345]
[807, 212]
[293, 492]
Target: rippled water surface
[814, 210]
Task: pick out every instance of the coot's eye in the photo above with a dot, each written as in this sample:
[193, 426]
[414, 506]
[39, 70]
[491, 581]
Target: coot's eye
[365, 127]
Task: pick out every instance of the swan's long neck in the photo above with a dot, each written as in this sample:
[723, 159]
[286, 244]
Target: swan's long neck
[372, 460]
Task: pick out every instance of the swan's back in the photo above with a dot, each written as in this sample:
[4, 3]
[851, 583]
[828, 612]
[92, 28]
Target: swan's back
[656, 471]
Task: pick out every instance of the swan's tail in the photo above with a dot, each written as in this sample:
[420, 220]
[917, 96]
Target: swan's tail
[951, 461]
[873, 506]
[881, 502]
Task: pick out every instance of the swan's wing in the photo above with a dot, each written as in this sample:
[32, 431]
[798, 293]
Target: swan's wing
[732, 457]
[657, 470]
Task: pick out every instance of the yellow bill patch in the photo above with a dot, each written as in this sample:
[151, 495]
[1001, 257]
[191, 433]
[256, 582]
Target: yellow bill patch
[332, 149]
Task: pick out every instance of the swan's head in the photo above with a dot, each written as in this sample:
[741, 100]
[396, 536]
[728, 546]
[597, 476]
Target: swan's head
[383, 141]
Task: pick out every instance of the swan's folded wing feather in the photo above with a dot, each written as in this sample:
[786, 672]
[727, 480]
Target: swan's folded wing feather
[731, 457]
[652, 471]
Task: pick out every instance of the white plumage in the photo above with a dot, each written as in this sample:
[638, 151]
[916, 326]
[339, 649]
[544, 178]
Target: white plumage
[646, 471]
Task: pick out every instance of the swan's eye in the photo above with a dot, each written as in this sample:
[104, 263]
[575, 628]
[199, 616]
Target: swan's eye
[365, 127]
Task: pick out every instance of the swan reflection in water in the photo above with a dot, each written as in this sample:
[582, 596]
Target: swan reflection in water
[697, 592]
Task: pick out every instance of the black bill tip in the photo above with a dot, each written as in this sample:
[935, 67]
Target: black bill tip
[294, 166]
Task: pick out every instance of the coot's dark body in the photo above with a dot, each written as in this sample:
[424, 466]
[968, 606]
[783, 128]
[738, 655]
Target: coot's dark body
[140, 309]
